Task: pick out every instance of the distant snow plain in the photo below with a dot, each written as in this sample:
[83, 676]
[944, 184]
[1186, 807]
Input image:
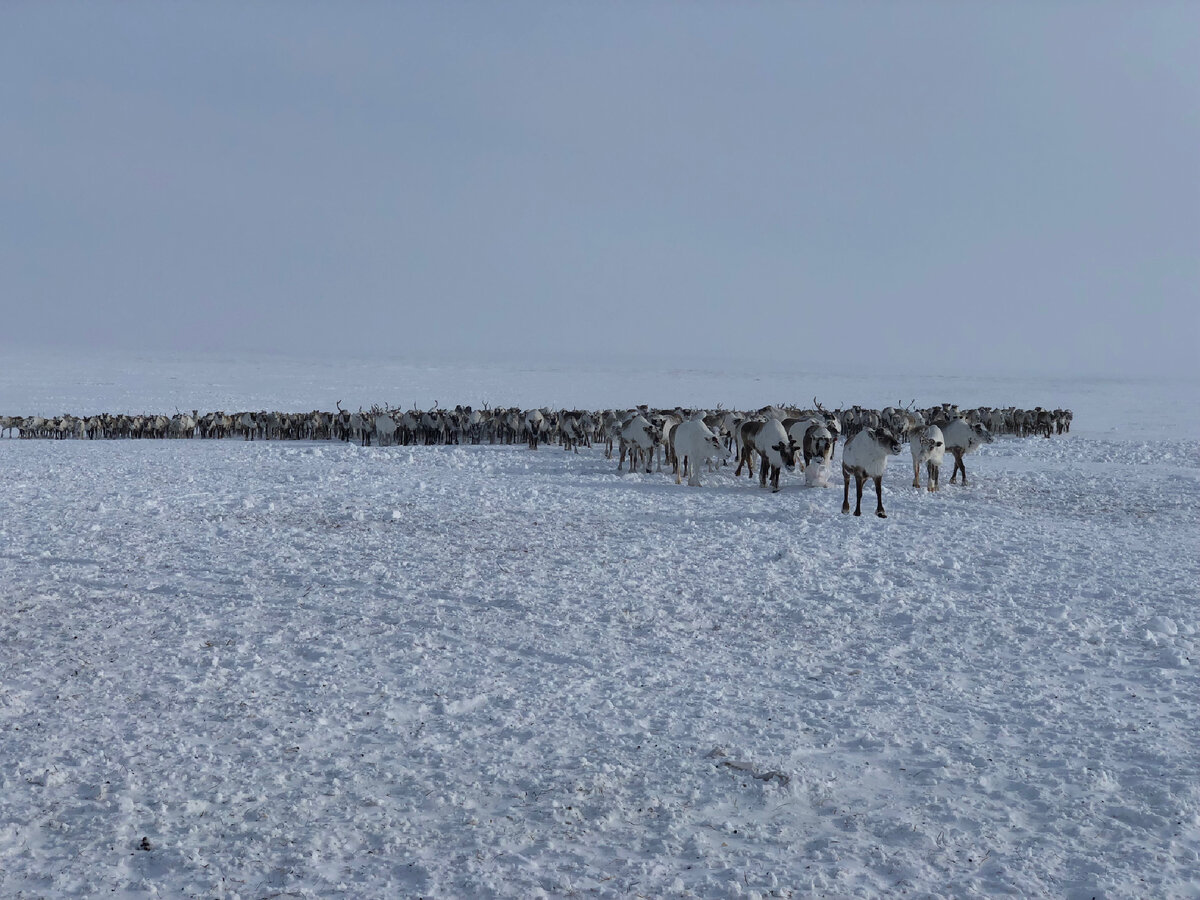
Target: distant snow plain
[237, 669]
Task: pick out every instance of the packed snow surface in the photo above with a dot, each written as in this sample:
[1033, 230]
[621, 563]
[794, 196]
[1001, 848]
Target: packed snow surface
[256, 669]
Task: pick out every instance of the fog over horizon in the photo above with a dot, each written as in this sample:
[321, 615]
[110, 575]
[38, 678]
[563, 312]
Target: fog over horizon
[921, 186]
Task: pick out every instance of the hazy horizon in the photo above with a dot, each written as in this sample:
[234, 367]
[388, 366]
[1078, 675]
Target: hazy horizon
[919, 187]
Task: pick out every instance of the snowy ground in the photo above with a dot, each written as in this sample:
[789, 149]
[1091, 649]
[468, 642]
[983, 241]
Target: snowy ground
[321, 670]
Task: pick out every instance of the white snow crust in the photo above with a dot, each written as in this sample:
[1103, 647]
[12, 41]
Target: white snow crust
[256, 669]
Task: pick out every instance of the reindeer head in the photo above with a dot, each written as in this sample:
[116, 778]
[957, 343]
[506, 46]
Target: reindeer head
[787, 453]
[818, 438]
[719, 449]
[887, 439]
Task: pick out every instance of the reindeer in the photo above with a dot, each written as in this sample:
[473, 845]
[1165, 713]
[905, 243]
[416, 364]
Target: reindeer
[571, 431]
[319, 426]
[962, 438]
[776, 452]
[410, 426]
[813, 436]
[832, 422]
[534, 420]
[815, 442]
[610, 429]
[473, 423]
[182, 425]
[744, 436]
[638, 438]
[865, 456]
[384, 425]
[694, 442]
[432, 425]
[928, 446]
[666, 425]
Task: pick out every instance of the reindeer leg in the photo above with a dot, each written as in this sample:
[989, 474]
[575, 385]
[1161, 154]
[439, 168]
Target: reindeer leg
[917, 474]
[933, 476]
[762, 470]
[858, 483]
[957, 466]
[879, 497]
[846, 493]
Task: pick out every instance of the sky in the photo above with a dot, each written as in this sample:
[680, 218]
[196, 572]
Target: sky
[937, 187]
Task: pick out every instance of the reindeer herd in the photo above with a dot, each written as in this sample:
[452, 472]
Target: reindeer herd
[777, 438]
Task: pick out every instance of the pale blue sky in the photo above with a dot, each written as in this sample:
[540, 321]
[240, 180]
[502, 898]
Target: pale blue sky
[939, 185]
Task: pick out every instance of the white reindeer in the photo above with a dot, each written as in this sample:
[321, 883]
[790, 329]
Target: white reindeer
[666, 425]
[182, 426]
[816, 447]
[865, 456]
[385, 429]
[962, 438]
[638, 438]
[611, 430]
[928, 447]
[534, 420]
[776, 452]
[571, 431]
[813, 437]
[694, 444]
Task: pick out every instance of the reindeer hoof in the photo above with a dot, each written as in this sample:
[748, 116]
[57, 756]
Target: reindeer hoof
[881, 513]
[845, 508]
[857, 512]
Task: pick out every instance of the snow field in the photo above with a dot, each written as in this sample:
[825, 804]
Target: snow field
[484, 671]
